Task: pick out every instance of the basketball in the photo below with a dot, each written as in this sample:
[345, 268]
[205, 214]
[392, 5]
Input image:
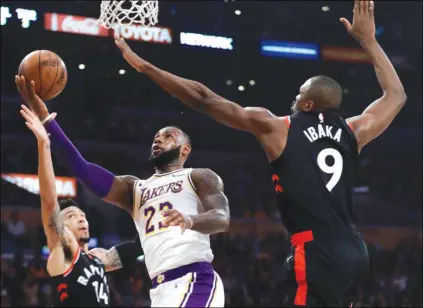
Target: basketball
[47, 70]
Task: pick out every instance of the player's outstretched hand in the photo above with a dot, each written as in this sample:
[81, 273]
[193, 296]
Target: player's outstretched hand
[34, 124]
[176, 218]
[363, 26]
[132, 58]
[27, 91]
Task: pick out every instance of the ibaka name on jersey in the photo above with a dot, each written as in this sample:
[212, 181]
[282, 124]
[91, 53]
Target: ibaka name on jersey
[90, 271]
[322, 131]
[150, 193]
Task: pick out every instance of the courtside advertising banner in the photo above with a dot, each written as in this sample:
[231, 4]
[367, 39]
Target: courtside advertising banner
[65, 186]
[88, 26]
[291, 50]
[344, 54]
[206, 40]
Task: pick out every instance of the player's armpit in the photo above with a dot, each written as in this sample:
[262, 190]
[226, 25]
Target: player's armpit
[210, 190]
[122, 192]
[376, 118]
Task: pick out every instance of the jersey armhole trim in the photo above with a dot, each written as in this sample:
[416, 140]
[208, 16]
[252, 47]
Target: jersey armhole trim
[350, 125]
[74, 260]
[133, 194]
[191, 181]
[287, 121]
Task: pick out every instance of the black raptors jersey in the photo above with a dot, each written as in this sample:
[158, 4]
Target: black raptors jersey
[313, 178]
[84, 284]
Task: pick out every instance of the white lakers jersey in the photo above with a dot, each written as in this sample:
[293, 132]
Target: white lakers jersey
[166, 248]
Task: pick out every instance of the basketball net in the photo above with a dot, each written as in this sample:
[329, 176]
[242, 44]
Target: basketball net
[114, 14]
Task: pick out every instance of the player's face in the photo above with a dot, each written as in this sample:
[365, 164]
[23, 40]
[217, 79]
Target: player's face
[168, 145]
[166, 139]
[302, 103]
[77, 223]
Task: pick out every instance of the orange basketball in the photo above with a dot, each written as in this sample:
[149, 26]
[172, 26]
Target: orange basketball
[47, 70]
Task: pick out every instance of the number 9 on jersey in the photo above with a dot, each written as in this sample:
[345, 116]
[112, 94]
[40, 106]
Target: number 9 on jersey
[336, 169]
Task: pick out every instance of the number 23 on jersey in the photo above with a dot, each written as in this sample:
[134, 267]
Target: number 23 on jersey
[154, 218]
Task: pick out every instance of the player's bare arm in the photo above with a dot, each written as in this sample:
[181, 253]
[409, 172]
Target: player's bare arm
[376, 117]
[216, 217]
[109, 257]
[259, 121]
[113, 189]
[121, 255]
[58, 236]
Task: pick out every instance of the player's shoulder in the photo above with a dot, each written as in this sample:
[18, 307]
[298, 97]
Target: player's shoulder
[205, 176]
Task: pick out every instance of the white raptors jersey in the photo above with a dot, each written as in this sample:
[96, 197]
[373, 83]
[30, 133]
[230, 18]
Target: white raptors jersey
[166, 248]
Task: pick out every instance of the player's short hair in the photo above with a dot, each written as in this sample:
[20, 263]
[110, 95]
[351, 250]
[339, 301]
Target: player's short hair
[186, 137]
[63, 204]
[325, 92]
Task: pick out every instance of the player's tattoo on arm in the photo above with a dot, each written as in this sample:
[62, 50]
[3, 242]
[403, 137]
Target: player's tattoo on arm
[56, 222]
[122, 192]
[110, 258]
[210, 189]
[114, 259]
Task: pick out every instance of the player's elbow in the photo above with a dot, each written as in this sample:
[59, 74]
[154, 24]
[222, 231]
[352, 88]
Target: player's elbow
[225, 222]
[398, 96]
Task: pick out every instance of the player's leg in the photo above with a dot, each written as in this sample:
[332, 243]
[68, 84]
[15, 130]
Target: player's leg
[218, 299]
[196, 289]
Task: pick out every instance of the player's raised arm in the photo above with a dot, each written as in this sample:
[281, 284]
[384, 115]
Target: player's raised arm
[377, 116]
[216, 217]
[121, 255]
[256, 120]
[101, 182]
[53, 225]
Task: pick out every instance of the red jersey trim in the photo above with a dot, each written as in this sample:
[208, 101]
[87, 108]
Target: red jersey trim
[298, 240]
[74, 260]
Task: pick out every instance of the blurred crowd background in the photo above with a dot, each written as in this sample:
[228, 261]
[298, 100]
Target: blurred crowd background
[112, 118]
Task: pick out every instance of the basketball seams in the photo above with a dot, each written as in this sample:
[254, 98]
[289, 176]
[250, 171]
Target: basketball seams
[54, 80]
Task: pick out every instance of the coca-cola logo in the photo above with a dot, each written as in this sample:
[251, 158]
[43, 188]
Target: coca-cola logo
[86, 25]
[73, 24]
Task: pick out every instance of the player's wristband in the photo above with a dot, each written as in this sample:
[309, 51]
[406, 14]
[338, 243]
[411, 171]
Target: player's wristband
[49, 117]
[190, 222]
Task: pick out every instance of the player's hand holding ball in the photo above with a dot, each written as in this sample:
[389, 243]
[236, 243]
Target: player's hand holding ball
[132, 58]
[176, 218]
[27, 91]
[363, 26]
[34, 124]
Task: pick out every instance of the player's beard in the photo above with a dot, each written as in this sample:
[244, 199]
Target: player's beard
[165, 158]
[84, 240]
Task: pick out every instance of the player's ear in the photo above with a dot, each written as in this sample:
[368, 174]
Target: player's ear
[186, 149]
[309, 106]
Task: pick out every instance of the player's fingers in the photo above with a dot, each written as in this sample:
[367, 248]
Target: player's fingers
[21, 87]
[371, 7]
[28, 111]
[356, 7]
[177, 222]
[167, 212]
[30, 126]
[26, 116]
[346, 24]
[362, 6]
